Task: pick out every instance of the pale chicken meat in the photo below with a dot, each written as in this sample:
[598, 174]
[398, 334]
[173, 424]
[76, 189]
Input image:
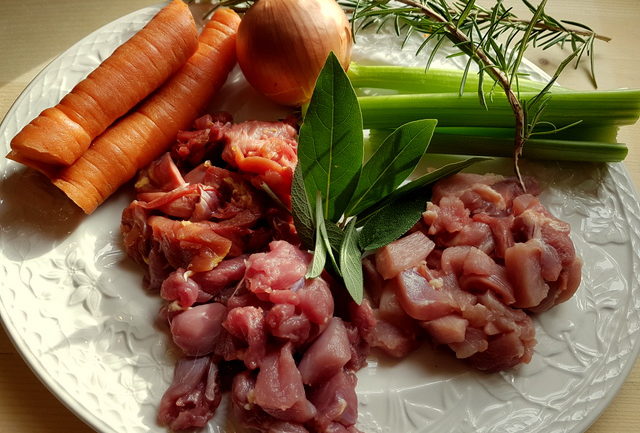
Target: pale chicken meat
[494, 254]
[228, 264]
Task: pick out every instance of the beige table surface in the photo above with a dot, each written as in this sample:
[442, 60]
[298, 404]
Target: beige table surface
[32, 32]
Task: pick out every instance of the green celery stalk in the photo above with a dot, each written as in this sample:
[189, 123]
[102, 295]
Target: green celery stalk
[497, 142]
[595, 108]
[606, 133]
[403, 79]
[556, 150]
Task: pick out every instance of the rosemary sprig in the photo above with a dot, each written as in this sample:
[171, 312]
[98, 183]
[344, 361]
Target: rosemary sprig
[494, 38]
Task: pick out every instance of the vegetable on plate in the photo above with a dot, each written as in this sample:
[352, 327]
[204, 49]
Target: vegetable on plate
[139, 138]
[282, 45]
[61, 134]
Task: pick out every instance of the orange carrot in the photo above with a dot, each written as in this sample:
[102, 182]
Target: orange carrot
[142, 136]
[60, 135]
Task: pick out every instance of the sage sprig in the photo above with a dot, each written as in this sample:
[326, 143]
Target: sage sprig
[330, 147]
[392, 163]
[320, 250]
[333, 192]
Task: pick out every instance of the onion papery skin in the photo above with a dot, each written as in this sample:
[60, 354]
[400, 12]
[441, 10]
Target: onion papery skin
[282, 45]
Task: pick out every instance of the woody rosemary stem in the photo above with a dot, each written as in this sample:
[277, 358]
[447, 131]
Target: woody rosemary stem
[477, 54]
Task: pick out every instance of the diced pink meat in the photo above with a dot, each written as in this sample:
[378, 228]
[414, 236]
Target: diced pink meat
[510, 188]
[266, 149]
[523, 202]
[179, 286]
[373, 281]
[456, 185]
[522, 262]
[284, 322]
[477, 315]
[360, 329]
[182, 202]
[248, 325]
[193, 396]
[420, 299]
[390, 309]
[569, 280]
[495, 246]
[474, 341]
[279, 390]
[453, 259]
[278, 426]
[404, 253]
[533, 220]
[503, 352]
[196, 145]
[480, 273]
[483, 198]
[250, 415]
[196, 330]
[316, 301]
[336, 401]
[161, 175]
[393, 339]
[447, 329]
[510, 337]
[227, 272]
[562, 288]
[233, 208]
[362, 317]
[475, 234]
[184, 244]
[501, 231]
[279, 269]
[448, 216]
[136, 233]
[327, 355]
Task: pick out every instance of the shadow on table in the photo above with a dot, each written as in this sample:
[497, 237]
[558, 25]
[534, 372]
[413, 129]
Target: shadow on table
[34, 215]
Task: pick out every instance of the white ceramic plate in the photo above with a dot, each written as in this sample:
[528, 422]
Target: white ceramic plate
[74, 306]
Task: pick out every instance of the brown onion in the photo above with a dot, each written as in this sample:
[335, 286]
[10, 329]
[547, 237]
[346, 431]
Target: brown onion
[283, 44]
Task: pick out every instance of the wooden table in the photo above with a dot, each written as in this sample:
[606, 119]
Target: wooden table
[34, 31]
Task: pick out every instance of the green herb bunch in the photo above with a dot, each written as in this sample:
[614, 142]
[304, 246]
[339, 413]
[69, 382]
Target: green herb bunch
[343, 207]
[493, 37]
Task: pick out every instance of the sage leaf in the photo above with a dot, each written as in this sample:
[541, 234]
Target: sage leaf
[420, 187]
[335, 235]
[424, 182]
[333, 242]
[330, 142]
[320, 250]
[373, 142]
[390, 222]
[328, 240]
[351, 263]
[301, 210]
[394, 160]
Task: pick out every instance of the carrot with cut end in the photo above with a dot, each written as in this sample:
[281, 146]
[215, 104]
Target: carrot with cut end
[60, 135]
[142, 136]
